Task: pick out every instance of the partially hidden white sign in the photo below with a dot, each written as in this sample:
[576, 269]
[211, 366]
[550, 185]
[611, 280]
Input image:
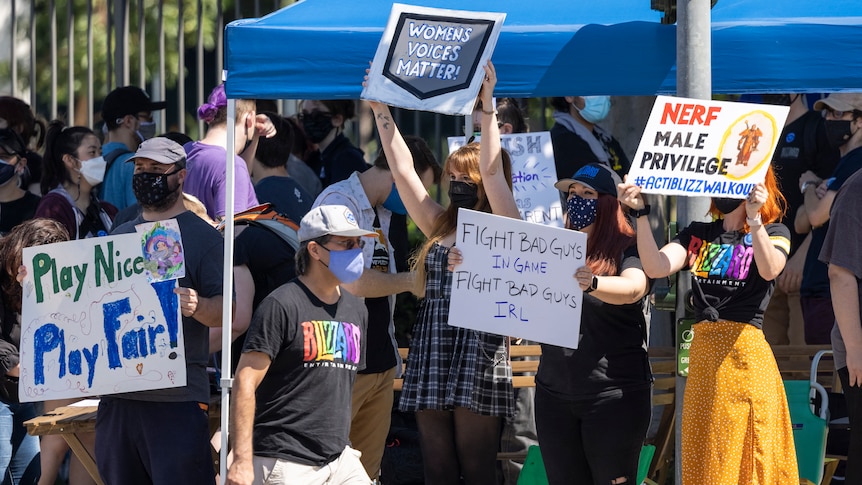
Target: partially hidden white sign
[695, 147]
[432, 59]
[533, 175]
[93, 325]
[517, 279]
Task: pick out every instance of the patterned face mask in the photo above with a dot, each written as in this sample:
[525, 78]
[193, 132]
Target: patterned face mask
[581, 211]
[152, 189]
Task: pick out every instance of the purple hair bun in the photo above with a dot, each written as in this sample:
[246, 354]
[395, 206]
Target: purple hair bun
[217, 100]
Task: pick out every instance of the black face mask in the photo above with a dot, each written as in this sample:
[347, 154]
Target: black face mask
[726, 205]
[462, 194]
[6, 172]
[153, 190]
[317, 125]
[838, 132]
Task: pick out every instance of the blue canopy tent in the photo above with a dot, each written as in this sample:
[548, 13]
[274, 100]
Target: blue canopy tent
[319, 49]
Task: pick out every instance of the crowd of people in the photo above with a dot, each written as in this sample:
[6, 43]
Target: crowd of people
[313, 327]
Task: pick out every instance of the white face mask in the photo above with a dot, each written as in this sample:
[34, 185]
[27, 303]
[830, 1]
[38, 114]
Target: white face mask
[93, 170]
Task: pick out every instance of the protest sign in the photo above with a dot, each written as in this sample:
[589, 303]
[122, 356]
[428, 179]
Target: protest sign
[162, 248]
[696, 147]
[517, 279]
[431, 59]
[533, 175]
[92, 324]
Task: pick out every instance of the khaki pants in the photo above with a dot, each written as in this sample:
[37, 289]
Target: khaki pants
[372, 415]
[783, 323]
[344, 470]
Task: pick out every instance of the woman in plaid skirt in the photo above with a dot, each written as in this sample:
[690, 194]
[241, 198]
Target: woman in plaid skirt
[456, 379]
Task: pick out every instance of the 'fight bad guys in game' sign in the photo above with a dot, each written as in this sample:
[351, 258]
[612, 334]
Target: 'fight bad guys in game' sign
[92, 324]
[517, 279]
[431, 59]
[706, 148]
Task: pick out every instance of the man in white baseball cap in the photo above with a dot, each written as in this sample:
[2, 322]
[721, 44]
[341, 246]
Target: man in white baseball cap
[292, 424]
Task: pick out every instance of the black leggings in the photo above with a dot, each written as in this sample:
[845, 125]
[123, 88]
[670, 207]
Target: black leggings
[595, 441]
[458, 444]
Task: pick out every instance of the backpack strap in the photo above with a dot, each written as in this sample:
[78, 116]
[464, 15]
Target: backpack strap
[267, 217]
[113, 156]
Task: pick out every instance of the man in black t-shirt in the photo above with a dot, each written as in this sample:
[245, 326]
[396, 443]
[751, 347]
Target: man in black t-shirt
[292, 392]
[162, 436]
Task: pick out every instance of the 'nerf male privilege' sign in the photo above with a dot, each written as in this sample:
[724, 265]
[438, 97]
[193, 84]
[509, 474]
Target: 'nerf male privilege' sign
[706, 148]
[431, 59]
[92, 324]
[517, 279]
[533, 175]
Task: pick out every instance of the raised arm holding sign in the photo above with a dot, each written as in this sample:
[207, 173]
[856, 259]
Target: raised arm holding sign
[432, 59]
[456, 378]
[733, 262]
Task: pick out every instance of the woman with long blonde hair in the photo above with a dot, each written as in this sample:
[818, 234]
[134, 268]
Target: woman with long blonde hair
[453, 380]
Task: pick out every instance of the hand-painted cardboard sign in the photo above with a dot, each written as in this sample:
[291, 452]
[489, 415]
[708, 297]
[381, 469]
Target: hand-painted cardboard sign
[706, 148]
[517, 279]
[162, 248]
[431, 59]
[533, 175]
[92, 324]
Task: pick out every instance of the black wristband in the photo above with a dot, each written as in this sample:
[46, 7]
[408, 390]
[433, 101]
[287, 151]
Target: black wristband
[638, 213]
[594, 285]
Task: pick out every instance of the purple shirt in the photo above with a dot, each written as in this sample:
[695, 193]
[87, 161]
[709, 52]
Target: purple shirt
[207, 178]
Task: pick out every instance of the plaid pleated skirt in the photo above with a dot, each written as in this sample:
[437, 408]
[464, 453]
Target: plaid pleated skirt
[736, 426]
[449, 366]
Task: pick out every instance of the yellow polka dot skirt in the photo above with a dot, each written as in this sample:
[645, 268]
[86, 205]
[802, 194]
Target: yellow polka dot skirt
[736, 427]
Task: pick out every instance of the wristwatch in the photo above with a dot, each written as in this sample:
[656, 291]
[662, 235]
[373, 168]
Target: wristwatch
[594, 285]
[638, 213]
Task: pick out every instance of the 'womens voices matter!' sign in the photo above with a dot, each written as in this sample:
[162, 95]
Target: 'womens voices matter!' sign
[92, 323]
[517, 279]
[706, 148]
[431, 59]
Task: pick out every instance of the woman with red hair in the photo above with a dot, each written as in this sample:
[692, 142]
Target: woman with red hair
[735, 421]
[593, 403]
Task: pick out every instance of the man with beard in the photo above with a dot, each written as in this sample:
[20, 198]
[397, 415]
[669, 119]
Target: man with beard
[162, 436]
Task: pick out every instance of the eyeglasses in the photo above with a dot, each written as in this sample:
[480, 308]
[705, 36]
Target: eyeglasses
[346, 244]
[835, 114]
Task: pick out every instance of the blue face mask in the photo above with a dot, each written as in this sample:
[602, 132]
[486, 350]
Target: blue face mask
[394, 203]
[346, 265]
[581, 211]
[596, 108]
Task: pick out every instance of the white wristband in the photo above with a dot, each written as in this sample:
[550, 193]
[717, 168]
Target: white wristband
[756, 222]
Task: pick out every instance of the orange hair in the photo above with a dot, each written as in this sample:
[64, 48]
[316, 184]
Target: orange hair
[774, 207]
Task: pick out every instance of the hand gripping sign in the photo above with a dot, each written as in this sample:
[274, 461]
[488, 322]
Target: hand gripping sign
[695, 147]
[92, 323]
[431, 59]
[517, 279]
